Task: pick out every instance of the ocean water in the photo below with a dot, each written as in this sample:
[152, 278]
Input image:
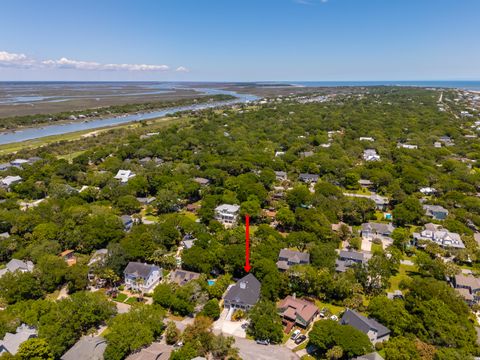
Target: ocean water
[466, 85]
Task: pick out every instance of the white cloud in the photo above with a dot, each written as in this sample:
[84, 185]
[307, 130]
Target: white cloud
[182, 69]
[15, 60]
[22, 61]
[64, 63]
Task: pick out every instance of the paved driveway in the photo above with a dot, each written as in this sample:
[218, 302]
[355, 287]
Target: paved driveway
[250, 350]
[227, 327]
[366, 245]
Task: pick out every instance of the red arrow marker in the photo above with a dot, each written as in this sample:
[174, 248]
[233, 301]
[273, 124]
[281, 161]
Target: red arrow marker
[247, 266]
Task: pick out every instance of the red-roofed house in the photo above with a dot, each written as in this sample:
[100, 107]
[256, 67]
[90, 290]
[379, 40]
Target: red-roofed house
[298, 311]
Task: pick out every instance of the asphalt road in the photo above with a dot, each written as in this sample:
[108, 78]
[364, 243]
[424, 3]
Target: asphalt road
[250, 350]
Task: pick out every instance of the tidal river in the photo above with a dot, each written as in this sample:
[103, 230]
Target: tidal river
[49, 130]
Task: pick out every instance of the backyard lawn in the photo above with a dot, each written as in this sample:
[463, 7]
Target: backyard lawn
[404, 272]
[121, 297]
[334, 309]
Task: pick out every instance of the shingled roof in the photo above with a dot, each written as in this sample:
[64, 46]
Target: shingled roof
[139, 269]
[362, 323]
[245, 291]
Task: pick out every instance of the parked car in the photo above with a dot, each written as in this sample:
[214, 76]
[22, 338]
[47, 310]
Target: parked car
[295, 334]
[300, 339]
[263, 342]
[334, 317]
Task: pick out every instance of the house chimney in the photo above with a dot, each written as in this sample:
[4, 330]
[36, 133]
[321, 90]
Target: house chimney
[294, 295]
[243, 285]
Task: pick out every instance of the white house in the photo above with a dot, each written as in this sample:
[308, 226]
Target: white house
[437, 234]
[227, 214]
[124, 175]
[142, 277]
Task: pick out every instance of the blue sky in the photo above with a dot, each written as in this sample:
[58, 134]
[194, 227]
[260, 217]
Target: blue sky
[240, 40]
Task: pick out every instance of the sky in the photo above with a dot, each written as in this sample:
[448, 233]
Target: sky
[240, 40]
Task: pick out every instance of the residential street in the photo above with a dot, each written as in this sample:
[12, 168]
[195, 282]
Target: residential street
[250, 350]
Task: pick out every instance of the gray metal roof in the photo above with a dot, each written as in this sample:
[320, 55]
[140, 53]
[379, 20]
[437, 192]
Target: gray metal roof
[245, 291]
[362, 323]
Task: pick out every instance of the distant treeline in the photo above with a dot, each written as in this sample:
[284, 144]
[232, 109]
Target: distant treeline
[27, 120]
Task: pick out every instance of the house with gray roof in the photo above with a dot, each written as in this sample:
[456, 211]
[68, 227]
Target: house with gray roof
[347, 259]
[181, 277]
[244, 294]
[146, 200]
[87, 348]
[8, 181]
[127, 222]
[11, 342]
[98, 257]
[17, 265]
[375, 331]
[308, 178]
[5, 166]
[438, 235]
[202, 181]
[288, 258]
[227, 214]
[436, 212]
[468, 287]
[142, 277]
[372, 230]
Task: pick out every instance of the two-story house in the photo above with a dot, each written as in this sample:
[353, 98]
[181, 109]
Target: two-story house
[437, 234]
[297, 312]
[244, 294]
[142, 277]
[227, 214]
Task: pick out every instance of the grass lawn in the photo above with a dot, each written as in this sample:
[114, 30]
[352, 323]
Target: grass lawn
[301, 346]
[404, 272]
[151, 218]
[334, 309]
[308, 357]
[121, 297]
[131, 301]
[287, 336]
[71, 156]
[190, 215]
[377, 248]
